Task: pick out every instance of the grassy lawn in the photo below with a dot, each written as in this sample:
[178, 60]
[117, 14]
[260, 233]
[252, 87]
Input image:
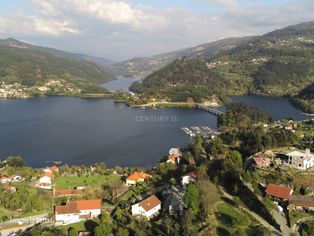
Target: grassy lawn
[233, 221]
[305, 178]
[76, 181]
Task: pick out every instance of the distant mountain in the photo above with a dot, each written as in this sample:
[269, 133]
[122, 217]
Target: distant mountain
[30, 65]
[103, 62]
[280, 63]
[144, 66]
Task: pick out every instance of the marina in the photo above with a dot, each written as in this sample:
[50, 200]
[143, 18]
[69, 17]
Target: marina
[204, 131]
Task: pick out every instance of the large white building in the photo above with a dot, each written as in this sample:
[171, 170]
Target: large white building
[148, 208]
[301, 160]
[76, 211]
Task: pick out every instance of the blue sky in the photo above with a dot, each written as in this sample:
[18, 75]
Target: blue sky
[120, 29]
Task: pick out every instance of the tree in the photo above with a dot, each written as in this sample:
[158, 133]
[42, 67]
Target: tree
[233, 163]
[72, 232]
[15, 161]
[191, 198]
[105, 226]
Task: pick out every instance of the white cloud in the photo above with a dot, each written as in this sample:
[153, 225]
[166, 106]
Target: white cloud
[119, 29]
[31, 25]
[105, 11]
[228, 3]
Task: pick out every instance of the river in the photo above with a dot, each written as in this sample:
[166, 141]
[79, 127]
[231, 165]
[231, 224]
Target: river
[85, 131]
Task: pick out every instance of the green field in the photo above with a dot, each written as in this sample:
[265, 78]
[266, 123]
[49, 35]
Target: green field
[233, 221]
[76, 181]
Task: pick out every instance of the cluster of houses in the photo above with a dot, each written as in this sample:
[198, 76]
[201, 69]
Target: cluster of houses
[295, 159]
[6, 181]
[45, 181]
[282, 195]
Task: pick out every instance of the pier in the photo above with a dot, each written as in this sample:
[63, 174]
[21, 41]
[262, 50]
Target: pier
[204, 131]
[210, 110]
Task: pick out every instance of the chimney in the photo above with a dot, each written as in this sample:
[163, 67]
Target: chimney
[307, 152]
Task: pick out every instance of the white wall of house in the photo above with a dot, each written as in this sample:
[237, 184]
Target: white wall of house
[45, 186]
[94, 213]
[130, 182]
[68, 218]
[5, 181]
[186, 179]
[45, 179]
[137, 209]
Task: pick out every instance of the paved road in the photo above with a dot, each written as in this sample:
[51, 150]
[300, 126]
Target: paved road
[15, 225]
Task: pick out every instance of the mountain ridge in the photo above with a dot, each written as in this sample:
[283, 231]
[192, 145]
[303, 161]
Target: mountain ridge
[279, 63]
[144, 66]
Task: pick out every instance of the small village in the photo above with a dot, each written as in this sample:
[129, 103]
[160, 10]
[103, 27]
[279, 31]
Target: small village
[209, 186]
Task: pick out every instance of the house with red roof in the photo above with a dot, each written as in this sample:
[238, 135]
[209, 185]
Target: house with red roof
[278, 192]
[188, 178]
[75, 211]
[66, 192]
[5, 180]
[300, 202]
[148, 207]
[262, 161]
[137, 177]
[45, 181]
[9, 188]
[54, 168]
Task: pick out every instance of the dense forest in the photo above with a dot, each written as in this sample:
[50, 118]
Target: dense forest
[305, 99]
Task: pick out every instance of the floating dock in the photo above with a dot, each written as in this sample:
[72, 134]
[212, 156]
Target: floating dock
[204, 131]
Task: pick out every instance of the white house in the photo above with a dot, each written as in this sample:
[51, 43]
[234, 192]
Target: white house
[16, 178]
[188, 178]
[5, 180]
[301, 160]
[148, 208]
[76, 211]
[175, 151]
[45, 181]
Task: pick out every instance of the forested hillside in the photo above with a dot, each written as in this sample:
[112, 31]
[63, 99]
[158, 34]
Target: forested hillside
[31, 65]
[305, 99]
[144, 66]
[280, 63]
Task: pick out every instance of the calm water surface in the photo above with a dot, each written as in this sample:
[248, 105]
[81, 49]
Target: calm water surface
[121, 83]
[85, 131]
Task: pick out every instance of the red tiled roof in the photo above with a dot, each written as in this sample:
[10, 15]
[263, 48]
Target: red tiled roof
[89, 204]
[262, 160]
[75, 206]
[69, 208]
[138, 175]
[150, 202]
[66, 192]
[53, 168]
[302, 201]
[278, 191]
[4, 178]
[192, 174]
[48, 174]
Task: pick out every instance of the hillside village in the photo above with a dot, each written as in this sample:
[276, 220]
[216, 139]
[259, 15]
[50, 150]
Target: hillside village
[208, 188]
